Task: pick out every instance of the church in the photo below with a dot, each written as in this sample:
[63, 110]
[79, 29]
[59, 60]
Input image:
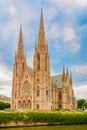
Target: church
[36, 89]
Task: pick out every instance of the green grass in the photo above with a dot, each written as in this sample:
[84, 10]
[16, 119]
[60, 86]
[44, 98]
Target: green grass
[48, 117]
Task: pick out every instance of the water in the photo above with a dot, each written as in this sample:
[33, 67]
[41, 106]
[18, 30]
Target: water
[59, 127]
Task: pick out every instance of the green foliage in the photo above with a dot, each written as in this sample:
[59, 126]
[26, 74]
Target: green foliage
[85, 105]
[48, 117]
[7, 105]
[80, 103]
[4, 106]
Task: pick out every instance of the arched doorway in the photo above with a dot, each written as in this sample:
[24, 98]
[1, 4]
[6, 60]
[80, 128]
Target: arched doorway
[29, 104]
[24, 104]
[19, 105]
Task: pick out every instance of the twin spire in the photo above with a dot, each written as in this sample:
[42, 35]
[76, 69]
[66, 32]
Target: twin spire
[41, 41]
[41, 37]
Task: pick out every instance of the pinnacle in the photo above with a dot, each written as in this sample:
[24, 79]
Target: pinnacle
[20, 35]
[41, 37]
[67, 72]
[20, 49]
[63, 69]
[70, 77]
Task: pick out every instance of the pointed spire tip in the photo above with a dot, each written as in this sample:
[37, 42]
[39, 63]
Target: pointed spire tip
[41, 37]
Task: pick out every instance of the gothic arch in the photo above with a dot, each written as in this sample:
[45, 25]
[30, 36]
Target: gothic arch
[60, 95]
[37, 91]
[28, 104]
[20, 105]
[38, 106]
[27, 87]
[24, 104]
[15, 94]
[25, 82]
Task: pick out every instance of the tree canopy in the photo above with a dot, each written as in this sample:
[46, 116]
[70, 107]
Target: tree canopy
[81, 103]
[4, 106]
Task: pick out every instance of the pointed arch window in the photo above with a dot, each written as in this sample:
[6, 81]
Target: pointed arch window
[47, 93]
[20, 105]
[37, 106]
[15, 106]
[29, 104]
[60, 95]
[15, 94]
[38, 92]
[60, 106]
[38, 61]
[22, 68]
[24, 104]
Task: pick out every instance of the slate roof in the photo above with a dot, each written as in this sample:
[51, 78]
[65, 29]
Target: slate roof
[30, 70]
[56, 81]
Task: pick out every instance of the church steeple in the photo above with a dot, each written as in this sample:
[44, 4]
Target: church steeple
[20, 49]
[42, 70]
[41, 37]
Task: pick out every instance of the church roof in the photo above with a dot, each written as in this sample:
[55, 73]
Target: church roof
[30, 69]
[56, 81]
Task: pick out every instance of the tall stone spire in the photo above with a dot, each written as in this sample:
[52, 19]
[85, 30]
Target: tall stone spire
[42, 71]
[20, 49]
[41, 37]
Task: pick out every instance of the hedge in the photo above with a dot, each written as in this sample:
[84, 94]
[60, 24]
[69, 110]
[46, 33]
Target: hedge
[47, 117]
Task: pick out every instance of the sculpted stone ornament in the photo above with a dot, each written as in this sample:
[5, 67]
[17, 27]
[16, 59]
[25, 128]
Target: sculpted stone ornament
[27, 88]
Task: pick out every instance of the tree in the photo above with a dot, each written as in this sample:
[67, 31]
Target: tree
[4, 106]
[7, 105]
[80, 103]
[85, 104]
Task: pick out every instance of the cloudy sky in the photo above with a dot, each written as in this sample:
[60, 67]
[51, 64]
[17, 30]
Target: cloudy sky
[66, 33]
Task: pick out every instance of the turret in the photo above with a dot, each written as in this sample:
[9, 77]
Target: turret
[71, 78]
[67, 73]
[63, 74]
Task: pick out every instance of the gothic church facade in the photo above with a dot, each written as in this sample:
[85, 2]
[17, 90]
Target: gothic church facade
[35, 89]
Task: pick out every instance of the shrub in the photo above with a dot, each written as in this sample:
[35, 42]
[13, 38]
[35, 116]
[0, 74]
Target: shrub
[48, 117]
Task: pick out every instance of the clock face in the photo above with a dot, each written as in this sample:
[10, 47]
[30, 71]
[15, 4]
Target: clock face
[26, 87]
